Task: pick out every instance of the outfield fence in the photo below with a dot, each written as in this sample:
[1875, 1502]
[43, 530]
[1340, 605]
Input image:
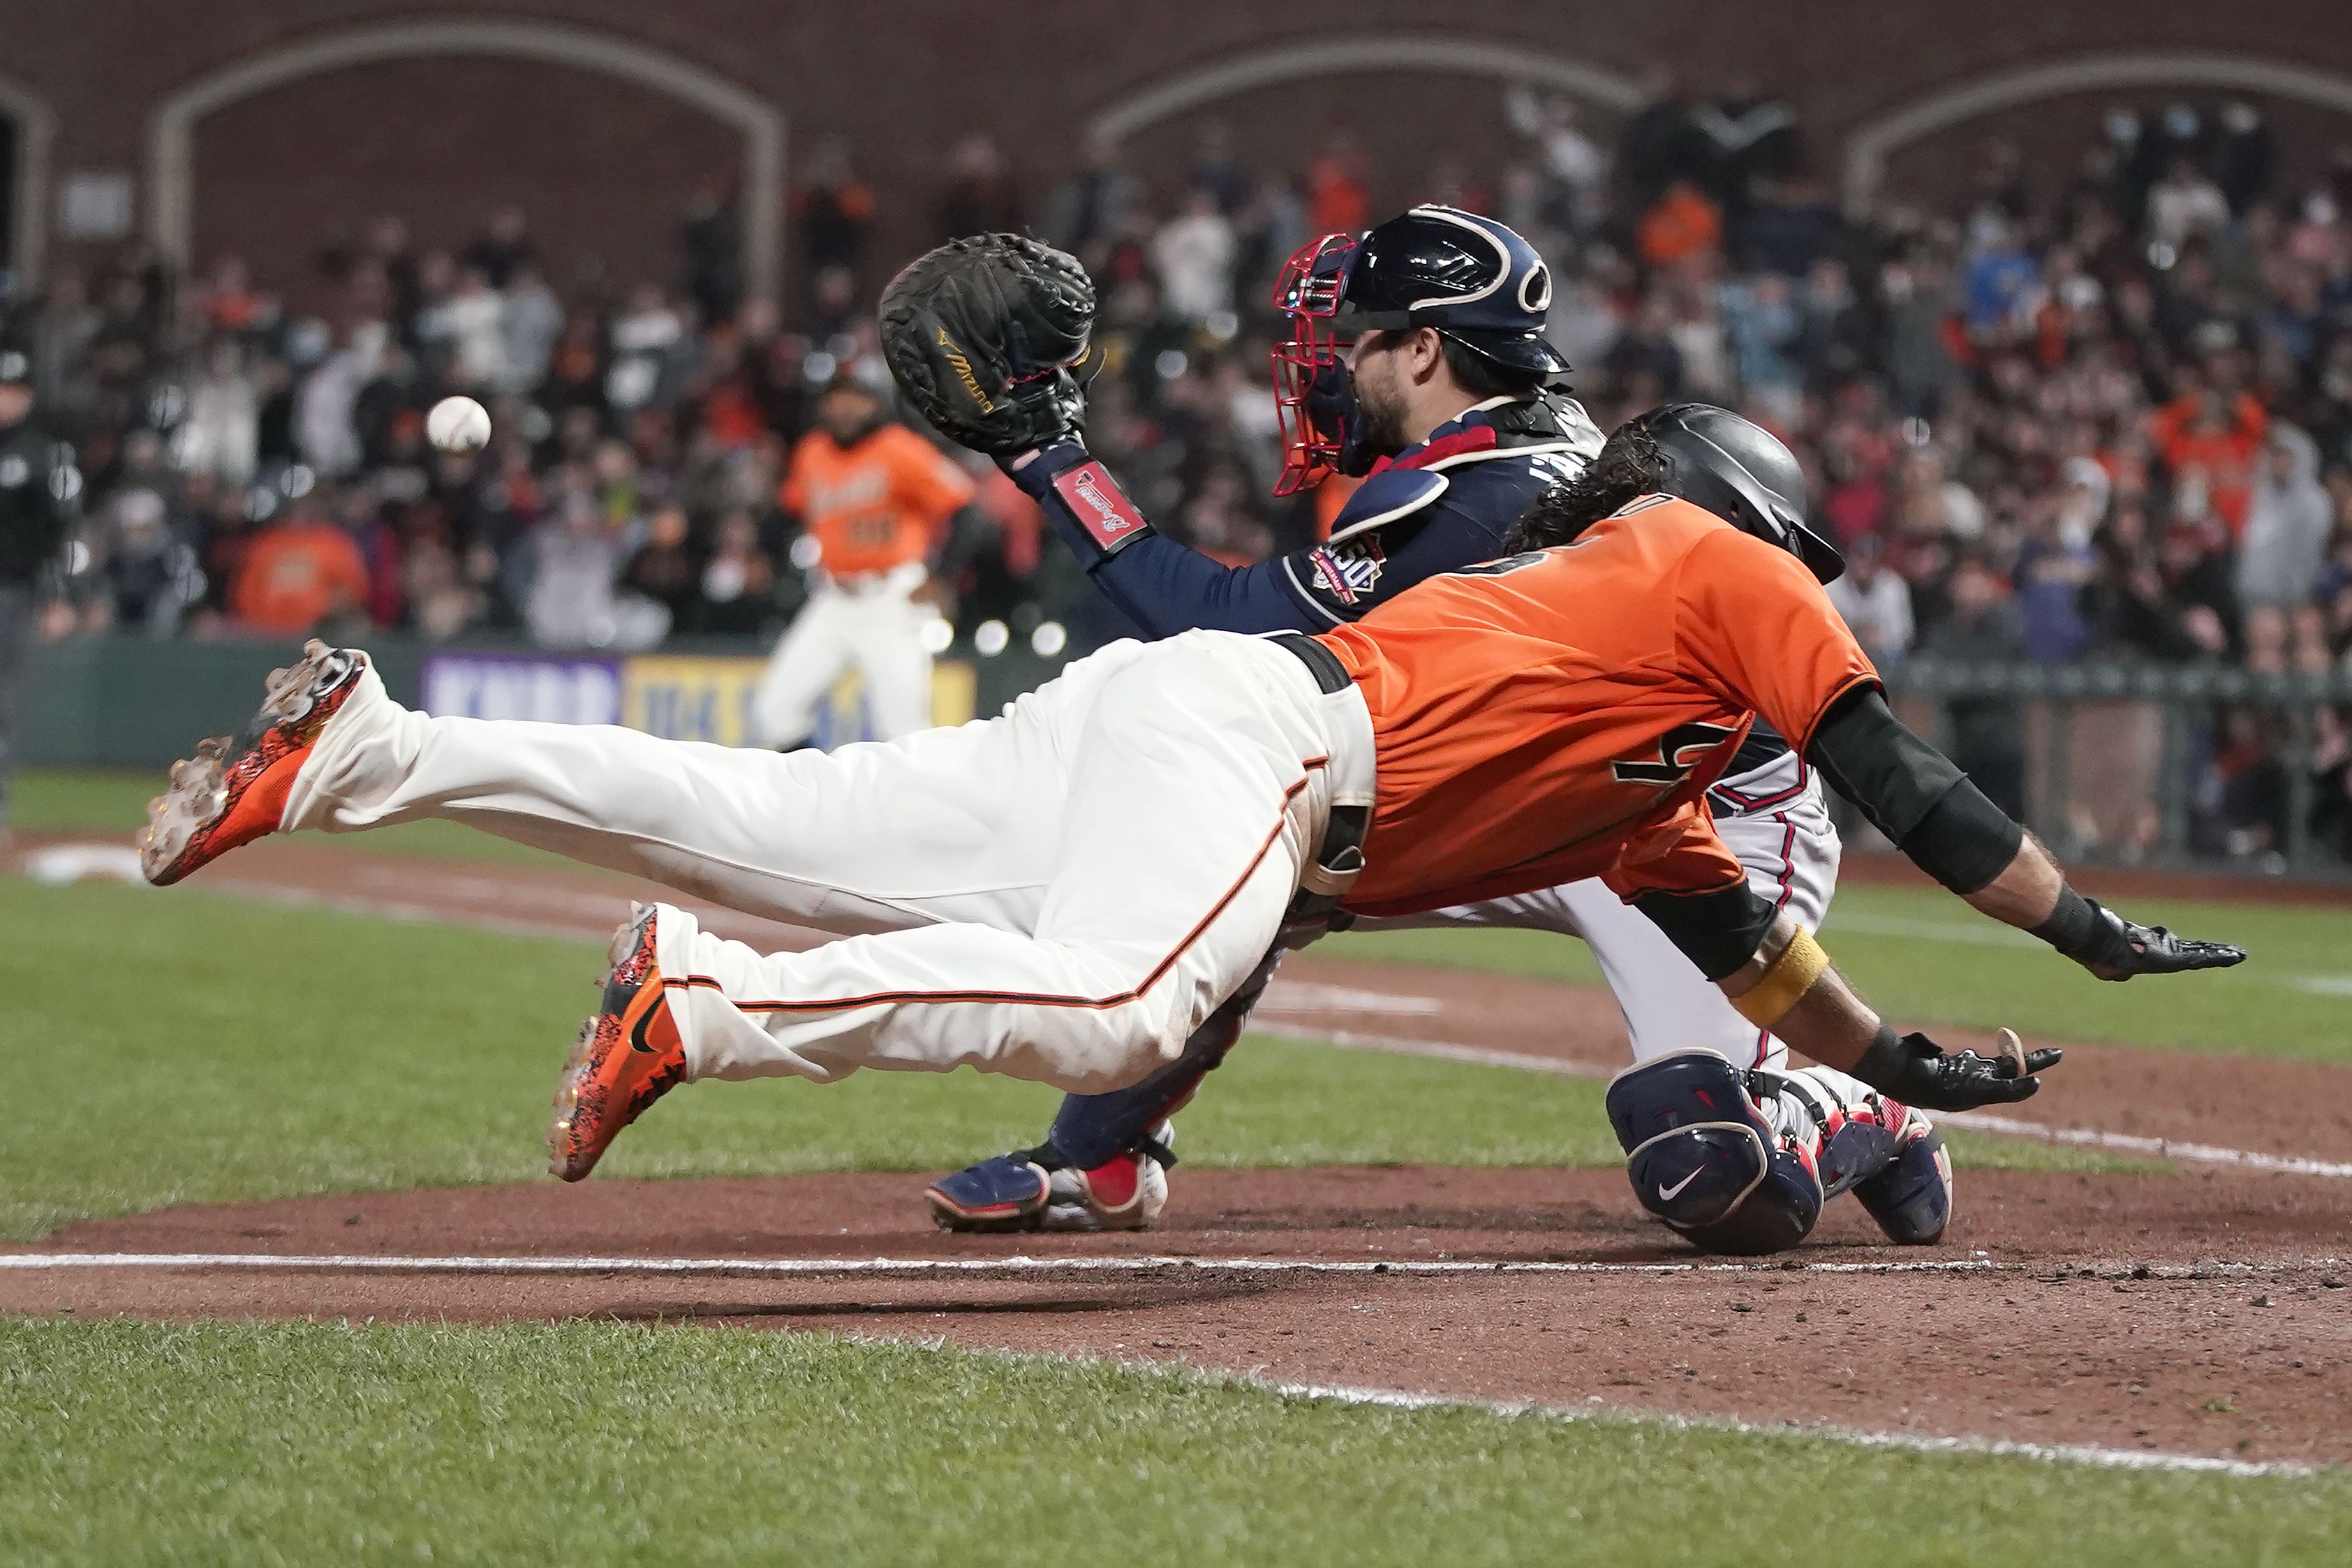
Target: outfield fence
[2175, 766]
[2190, 766]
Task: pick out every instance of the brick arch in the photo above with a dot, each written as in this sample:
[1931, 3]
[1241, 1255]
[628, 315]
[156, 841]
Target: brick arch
[1207, 84]
[170, 165]
[1870, 143]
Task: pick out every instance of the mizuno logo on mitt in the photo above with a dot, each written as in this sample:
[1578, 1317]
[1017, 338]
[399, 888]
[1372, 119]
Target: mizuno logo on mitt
[963, 372]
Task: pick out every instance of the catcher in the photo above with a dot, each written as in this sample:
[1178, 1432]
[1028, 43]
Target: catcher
[1417, 352]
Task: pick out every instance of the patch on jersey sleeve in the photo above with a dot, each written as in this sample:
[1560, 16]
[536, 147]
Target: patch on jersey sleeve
[1348, 572]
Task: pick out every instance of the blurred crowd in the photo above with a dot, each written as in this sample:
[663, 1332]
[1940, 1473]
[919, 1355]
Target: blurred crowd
[2107, 417]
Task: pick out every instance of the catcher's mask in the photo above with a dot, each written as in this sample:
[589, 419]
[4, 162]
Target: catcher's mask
[1468, 277]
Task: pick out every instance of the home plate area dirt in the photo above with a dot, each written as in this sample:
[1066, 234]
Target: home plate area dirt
[2180, 1314]
[2204, 1311]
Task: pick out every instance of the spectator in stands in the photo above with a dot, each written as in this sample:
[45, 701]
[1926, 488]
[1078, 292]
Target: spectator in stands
[1575, 171]
[834, 210]
[222, 433]
[1094, 205]
[2185, 206]
[300, 574]
[739, 582]
[2288, 520]
[2209, 440]
[1195, 254]
[979, 197]
[1875, 603]
[503, 247]
[1988, 732]
[1682, 224]
[1337, 200]
[530, 323]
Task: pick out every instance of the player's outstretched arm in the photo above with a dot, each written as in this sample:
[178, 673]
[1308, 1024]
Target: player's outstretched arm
[1914, 795]
[1163, 587]
[1791, 987]
[1778, 978]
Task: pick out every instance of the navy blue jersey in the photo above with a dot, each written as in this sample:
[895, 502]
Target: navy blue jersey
[1437, 507]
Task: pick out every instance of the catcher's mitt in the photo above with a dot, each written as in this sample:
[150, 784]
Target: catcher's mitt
[980, 335]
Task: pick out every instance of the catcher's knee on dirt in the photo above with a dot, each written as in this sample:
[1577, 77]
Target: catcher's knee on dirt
[1704, 1161]
[1090, 1129]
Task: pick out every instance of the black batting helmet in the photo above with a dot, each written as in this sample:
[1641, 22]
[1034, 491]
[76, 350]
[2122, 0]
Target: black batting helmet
[1739, 470]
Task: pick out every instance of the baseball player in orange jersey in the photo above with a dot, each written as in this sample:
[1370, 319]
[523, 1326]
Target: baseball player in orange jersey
[875, 498]
[1065, 892]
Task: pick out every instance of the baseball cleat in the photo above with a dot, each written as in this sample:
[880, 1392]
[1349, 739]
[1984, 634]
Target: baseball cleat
[628, 1056]
[1911, 1199]
[233, 792]
[1035, 1189]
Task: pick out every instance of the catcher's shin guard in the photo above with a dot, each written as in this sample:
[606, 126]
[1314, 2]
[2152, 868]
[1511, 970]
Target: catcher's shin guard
[1706, 1163]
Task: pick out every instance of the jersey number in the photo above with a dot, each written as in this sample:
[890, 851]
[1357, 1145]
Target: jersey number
[1507, 565]
[1694, 740]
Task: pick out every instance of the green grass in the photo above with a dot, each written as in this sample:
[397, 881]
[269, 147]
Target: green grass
[113, 802]
[129, 1444]
[1926, 959]
[201, 1047]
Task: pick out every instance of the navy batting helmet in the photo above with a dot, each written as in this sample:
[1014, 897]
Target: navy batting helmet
[1739, 470]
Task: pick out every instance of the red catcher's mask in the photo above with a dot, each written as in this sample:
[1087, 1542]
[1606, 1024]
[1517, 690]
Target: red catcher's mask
[1313, 394]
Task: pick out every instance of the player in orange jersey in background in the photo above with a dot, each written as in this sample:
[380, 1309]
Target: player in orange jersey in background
[876, 499]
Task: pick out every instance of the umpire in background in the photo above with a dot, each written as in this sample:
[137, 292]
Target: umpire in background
[37, 488]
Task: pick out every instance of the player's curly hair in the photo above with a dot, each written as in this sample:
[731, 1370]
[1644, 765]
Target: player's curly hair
[1630, 466]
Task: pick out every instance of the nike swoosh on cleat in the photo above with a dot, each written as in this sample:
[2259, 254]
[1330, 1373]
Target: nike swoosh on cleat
[1671, 1194]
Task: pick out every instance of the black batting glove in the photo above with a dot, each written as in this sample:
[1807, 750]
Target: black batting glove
[2113, 948]
[1917, 1071]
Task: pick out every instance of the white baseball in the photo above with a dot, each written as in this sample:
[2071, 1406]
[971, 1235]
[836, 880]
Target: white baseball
[458, 425]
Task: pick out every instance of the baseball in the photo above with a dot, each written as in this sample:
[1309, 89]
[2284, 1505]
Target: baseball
[458, 425]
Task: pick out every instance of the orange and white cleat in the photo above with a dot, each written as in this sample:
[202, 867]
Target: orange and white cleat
[628, 1056]
[233, 792]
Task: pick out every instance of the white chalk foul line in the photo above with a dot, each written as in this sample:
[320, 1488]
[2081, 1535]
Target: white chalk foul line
[1974, 1120]
[1138, 1263]
[2053, 1453]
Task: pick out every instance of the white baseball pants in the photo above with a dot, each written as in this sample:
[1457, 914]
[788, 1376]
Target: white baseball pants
[872, 623]
[1062, 893]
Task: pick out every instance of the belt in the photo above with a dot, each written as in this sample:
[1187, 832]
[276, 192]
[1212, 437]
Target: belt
[1339, 858]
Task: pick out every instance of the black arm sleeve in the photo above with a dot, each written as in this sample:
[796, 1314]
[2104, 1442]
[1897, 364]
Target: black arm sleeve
[1718, 931]
[1913, 793]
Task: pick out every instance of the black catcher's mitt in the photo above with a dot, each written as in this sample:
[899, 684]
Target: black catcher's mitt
[980, 335]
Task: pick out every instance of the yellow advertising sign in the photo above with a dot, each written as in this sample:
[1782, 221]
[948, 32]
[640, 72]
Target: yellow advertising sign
[691, 697]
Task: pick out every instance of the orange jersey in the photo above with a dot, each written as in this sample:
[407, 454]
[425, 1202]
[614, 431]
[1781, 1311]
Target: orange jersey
[874, 504]
[1559, 715]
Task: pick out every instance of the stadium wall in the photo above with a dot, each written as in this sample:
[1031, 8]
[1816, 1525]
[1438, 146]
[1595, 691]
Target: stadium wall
[601, 118]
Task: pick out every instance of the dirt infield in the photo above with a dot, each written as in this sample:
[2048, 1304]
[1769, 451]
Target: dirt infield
[2105, 1311]
[2201, 1312]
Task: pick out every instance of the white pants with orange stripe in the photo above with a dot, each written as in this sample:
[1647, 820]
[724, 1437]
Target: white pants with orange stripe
[1790, 850]
[1063, 893]
[872, 624]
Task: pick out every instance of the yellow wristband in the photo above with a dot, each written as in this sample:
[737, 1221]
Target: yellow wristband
[1789, 978]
